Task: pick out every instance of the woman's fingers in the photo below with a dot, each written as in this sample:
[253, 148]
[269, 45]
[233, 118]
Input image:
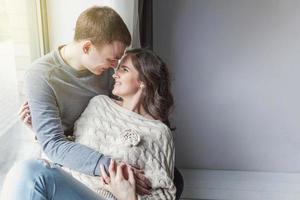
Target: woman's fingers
[105, 185]
[121, 173]
[104, 175]
[102, 182]
[130, 176]
[112, 168]
[102, 170]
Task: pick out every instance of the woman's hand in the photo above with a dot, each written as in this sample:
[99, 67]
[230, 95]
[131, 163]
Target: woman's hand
[24, 114]
[121, 182]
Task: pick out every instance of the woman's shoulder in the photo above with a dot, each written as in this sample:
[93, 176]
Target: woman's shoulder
[100, 99]
[163, 130]
[98, 102]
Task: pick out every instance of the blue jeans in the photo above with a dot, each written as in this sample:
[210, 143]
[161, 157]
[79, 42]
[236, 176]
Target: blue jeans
[39, 180]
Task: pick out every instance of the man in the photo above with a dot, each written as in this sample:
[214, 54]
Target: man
[60, 84]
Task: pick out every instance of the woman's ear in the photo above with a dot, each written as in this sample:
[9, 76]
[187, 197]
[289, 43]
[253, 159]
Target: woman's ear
[87, 44]
[142, 85]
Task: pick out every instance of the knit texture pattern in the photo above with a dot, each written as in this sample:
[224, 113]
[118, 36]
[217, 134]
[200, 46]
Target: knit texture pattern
[129, 137]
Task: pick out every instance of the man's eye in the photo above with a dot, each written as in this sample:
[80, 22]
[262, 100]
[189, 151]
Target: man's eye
[115, 62]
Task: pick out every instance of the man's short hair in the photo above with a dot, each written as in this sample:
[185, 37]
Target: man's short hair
[101, 25]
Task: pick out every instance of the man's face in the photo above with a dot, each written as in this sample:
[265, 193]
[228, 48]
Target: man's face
[98, 60]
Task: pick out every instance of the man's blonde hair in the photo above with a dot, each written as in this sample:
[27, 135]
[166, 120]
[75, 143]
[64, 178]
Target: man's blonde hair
[101, 25]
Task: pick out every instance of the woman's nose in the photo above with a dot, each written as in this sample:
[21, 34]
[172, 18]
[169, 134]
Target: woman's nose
[115, 75]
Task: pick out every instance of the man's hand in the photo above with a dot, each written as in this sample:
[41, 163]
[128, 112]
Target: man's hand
[24, 115]
[122, 187]
[143, 185]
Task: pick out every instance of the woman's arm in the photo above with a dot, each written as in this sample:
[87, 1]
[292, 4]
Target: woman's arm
[162, 169]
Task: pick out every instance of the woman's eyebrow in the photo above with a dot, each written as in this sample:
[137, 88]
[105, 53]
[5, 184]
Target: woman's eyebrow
[124, 66]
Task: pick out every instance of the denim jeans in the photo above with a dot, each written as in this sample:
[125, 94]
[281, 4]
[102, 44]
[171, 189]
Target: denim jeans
[40, 180]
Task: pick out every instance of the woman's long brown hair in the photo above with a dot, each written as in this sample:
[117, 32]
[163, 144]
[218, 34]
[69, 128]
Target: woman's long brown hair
[157, 98]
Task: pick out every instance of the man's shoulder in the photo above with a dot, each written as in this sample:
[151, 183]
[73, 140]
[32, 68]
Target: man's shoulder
[43, 65]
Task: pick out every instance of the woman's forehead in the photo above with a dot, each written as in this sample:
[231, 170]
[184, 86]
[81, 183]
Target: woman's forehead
[126, 58]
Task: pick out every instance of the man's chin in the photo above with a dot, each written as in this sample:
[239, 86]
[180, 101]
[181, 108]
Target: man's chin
[99, 72]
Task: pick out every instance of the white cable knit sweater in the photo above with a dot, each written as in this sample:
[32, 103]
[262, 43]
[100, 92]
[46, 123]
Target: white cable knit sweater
[127, 136]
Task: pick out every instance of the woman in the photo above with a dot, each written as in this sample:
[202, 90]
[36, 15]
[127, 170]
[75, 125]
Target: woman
[133, 129]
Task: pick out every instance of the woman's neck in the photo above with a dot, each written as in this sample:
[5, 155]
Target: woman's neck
[135, 106]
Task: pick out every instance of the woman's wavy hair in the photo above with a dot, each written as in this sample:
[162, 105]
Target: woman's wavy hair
[156, 98]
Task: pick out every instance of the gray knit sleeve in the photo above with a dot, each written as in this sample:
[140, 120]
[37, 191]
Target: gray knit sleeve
[47, 125]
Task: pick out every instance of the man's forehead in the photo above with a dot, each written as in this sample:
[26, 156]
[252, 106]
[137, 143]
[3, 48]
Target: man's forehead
[118, 49]
[118, 57]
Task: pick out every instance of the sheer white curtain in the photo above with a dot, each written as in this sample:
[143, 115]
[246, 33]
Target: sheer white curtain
[129, 12]
[19, 45]
[62, 16]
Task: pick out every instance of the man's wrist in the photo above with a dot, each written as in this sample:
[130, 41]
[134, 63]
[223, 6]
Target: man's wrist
[105, 161]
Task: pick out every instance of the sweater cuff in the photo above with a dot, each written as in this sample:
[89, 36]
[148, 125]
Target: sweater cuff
[105, 161]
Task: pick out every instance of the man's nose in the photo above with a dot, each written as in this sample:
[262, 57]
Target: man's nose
[114, 63]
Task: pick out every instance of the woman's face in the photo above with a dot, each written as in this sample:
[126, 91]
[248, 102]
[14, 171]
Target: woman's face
[126, 78]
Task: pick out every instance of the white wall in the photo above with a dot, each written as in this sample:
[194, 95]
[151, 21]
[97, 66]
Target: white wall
[62, 16]
[236, 72]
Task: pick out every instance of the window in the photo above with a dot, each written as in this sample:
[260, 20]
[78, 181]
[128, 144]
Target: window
[19, 45]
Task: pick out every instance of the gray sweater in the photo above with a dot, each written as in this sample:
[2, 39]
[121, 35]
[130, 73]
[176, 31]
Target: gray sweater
[57, 95]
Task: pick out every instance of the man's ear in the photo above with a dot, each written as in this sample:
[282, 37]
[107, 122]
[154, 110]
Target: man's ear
[87, 44]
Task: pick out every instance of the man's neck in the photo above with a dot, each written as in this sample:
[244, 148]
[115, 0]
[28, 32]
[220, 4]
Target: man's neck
[70, 53]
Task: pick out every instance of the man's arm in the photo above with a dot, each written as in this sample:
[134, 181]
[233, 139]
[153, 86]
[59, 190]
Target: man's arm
[46, 123]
